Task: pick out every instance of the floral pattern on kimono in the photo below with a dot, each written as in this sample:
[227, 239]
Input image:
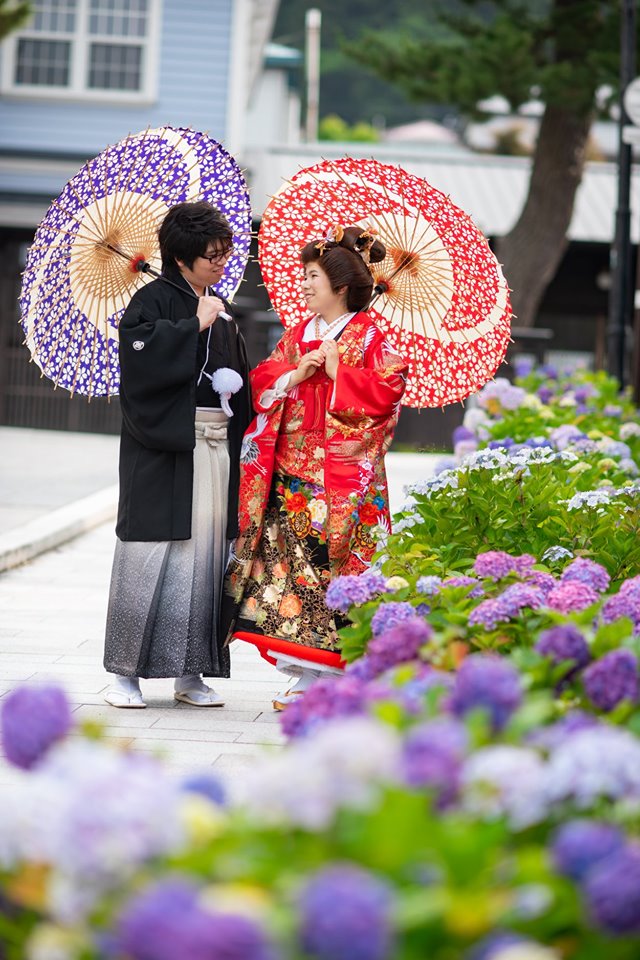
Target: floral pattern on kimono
[331, 433]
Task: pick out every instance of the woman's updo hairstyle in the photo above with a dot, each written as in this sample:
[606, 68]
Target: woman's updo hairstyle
[344, 255]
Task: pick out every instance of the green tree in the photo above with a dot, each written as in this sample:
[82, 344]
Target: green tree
[334, 127]
[13, 14]
[563, 52]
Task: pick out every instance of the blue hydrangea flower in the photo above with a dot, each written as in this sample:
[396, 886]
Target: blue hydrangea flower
[166, 921]
[345, 915]
[344, 592]
[207, 785]
[612, 891]
[587, 571]
[556, 553]
[579, 845]
[487, 681]
[428, 586]
[33, 719]
[390, 615]
[612, 679]
[432, 757]
[488, 614]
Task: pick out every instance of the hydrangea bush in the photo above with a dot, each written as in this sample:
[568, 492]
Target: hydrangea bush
[469, 788]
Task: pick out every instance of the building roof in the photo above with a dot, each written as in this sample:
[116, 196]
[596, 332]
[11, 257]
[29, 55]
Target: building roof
[491, 189]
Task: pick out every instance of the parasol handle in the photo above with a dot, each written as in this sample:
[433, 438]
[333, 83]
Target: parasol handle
[140, 265]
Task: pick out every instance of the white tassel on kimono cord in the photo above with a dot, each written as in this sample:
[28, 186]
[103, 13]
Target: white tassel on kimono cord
[226, 382]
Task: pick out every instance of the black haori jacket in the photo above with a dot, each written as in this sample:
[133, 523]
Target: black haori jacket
[161, 355]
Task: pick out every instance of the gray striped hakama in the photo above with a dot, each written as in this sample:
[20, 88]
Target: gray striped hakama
[164, 600]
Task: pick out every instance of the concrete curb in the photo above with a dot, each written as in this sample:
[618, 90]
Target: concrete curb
[57, 527]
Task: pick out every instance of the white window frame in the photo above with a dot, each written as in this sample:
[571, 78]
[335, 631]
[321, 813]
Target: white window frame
[81, 39]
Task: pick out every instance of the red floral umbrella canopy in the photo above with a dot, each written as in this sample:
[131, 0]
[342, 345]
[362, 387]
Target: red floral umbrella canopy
[445, 305]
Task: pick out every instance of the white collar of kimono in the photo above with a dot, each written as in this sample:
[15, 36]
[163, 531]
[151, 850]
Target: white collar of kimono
[325, 333]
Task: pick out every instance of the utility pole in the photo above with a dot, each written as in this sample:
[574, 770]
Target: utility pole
[622, 285]
[312, 21]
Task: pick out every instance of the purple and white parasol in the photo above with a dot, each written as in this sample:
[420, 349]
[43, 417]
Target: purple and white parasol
[79, 276]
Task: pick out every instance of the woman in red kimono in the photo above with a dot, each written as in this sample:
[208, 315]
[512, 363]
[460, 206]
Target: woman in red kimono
[313, 485]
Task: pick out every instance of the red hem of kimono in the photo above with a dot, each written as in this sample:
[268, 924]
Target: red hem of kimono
[328, 658]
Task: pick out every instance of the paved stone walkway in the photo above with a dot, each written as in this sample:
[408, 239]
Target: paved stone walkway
[52, 614]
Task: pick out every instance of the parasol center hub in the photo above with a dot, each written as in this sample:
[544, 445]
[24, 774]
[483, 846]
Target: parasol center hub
[404, 260]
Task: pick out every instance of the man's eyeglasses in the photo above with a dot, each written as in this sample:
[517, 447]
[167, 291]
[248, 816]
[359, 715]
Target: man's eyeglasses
[219, 256]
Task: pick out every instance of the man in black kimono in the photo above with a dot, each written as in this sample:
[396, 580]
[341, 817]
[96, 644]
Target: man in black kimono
[185, 406]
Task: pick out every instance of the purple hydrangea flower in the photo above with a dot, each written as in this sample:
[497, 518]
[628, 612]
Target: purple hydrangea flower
[622, 606]
[494, 565]
[564, 435]
[551, 737]
[478, 590]
[612, 410]
[390, 615]
[579, 845]
[463, 433]
[612, 679]
[523, 564]
[562, 643]
[345, 913]
[626, 603]
[344, 592]
[520, 595]
[503, 444]
[398, 644]
[488, 614]
[325, 699]
[544, 582]
[432, 757]
[428, 586]
[537, 443]
[33, 719]
[612, 891]
[522, 366]
[502, 393]
[571, 596]
[166, 921]
[411, 695]
[488, 682]
[545, 393]
[585, 392]
[587, 571]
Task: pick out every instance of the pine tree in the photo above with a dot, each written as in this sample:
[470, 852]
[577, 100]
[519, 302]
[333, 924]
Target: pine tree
[563, 52]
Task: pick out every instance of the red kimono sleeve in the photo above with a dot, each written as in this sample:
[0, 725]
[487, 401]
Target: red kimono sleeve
[373, 390]
[265, 375]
